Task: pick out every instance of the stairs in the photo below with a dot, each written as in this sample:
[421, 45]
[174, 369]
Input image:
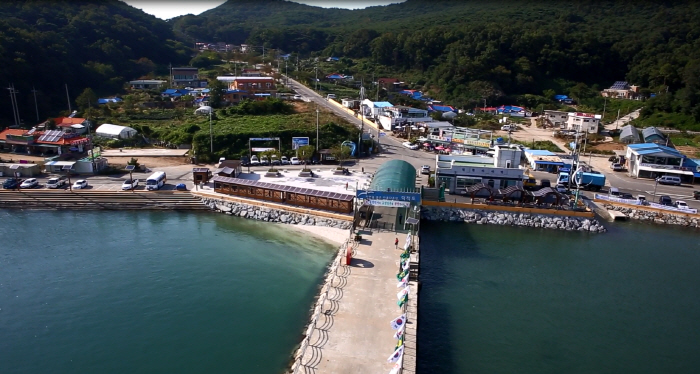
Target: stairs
[88, 200]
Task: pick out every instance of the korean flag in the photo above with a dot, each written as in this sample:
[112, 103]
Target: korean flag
[398, 322]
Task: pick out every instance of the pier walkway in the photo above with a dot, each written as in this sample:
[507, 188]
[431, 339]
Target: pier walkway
[353, 333]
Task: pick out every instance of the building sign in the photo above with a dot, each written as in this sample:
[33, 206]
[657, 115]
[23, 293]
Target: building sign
[411, 197]
[389, 203]
[262, 149]
[478, 143]
[587, 115]
[299, 142]
[262, 139]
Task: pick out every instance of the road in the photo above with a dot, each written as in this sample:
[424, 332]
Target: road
[392, 147]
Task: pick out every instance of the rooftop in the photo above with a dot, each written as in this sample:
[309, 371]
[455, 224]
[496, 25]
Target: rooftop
[326, 180]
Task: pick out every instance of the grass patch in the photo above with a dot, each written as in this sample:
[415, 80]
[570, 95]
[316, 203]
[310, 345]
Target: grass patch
[541, 144]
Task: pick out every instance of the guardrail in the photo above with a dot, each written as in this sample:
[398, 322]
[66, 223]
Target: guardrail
[649, 204]
[319, 306]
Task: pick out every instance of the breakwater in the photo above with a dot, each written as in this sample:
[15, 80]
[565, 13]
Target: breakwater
[268, 214]
[482, 217]
[656, 216]
[99, 200]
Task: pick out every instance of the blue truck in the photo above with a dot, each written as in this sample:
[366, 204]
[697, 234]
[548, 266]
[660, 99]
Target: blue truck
[587, 181]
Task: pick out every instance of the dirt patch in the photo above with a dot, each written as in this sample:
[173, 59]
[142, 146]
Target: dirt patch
[150, 162]
[609, 147]
[688, 150]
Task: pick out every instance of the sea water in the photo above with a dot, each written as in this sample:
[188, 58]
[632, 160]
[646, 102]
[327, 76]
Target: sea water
[500, 299]
[152, 292]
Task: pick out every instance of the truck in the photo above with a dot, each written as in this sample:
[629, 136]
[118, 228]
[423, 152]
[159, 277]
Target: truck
[587, 181]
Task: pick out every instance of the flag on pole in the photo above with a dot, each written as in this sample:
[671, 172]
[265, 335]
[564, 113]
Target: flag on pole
[397, 366]
[402, 301]
[398, 322]
[405, 255]
[403, 282]
[396, 355]
[406, 265]
[403, 292]
[399, 333]
[401, 275]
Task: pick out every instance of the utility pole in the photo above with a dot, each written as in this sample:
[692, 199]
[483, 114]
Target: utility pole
[70, 110]
[317, 127]
[618, 119]
[36, 106]
[286, 71]
[13, 100]
[362, 122]
[211, 133]
[605, 104]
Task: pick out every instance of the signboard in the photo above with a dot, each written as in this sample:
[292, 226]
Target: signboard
[263, 139]
[262, 149]
[389, 203]
[412, 197]
[299, 142]
[587, 115]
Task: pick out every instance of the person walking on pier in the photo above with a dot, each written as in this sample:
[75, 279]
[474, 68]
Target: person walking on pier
[396, 243]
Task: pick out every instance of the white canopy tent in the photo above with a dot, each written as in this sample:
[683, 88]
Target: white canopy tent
[108, 130]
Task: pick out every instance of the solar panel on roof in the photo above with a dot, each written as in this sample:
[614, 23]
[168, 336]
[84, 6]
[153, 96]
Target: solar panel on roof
[130, 167]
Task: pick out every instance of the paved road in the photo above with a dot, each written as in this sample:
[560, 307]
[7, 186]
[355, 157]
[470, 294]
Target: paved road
[393, 149]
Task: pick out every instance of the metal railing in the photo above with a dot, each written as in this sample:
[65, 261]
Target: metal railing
[299, 362]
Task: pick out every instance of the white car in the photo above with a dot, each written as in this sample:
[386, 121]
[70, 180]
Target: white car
[508, 128]
[410, 145]
[56, 182]
[80, 184]
[254, 161]
[616, 167]
[425, 169]
[130, 184]
[295, 161]
[284, 160]
[681, 205]
[297, 97]
[29, 183]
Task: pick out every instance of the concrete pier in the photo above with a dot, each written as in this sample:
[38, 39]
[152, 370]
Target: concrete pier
[353, 331]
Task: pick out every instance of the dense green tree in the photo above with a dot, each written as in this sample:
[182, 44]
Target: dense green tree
[86, 99]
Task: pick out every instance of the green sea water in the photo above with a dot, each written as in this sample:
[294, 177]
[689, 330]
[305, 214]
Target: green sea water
[518, 300]
[147, 292]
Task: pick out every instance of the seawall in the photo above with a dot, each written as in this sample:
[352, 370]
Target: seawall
[483, 217]
[657, 216]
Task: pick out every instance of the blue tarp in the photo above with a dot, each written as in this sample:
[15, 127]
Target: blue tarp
[441, 108]
[560, 97]
[109, 100]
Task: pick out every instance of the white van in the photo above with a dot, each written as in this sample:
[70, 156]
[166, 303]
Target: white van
[330, 96]
[156, 181]
[668, 179]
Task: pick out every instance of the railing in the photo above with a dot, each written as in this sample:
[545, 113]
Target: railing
[650, 204]
[319, 305]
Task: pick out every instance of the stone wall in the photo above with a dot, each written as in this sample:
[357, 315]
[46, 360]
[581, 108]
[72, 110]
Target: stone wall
[272, 215]
[482, 217]
[657, 217]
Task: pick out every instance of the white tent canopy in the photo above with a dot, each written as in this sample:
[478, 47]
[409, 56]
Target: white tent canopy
[114, 131]
[203, 110]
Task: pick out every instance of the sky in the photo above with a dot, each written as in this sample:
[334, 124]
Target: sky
[166, 9]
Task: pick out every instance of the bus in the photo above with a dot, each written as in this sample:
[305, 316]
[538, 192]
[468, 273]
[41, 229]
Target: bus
[156, 181]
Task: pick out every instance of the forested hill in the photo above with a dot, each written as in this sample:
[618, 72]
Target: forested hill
[98, 44]
[470, 49]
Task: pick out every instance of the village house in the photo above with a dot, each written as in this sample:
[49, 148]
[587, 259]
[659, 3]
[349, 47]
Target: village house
[583, 122]
[147, 84]
[622, 90]
[254, 86]
[556, 118]
[458, 172]
[186, 77]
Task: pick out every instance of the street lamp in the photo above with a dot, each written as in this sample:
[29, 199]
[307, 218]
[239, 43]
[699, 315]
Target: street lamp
[655, 185]
[317, 111]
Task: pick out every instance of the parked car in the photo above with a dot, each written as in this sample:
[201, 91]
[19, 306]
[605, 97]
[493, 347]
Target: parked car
[665, 200]
[425, 169]
[181, 187]
[627, 196]
[410, 145]
[295, 161]
[617, 167]
[545, 183]
[245, 161]
[297, 97]
[508, 128]
[264, 161]
[56, 182]
[130, 184]
[562, 189]
[222, 159]
[284, 160]
[668, 179]
[681, 204]
[11, 184]
[80, 184]
[696, 195]
[254, 161]
[29, 183]
[274, 160]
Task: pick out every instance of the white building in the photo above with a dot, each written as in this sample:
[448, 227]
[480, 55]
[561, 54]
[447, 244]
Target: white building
[147, 84]
[583, 122]
[556, 118]
[399, 115]
[115, 132]
[499, 172]
[374, 108]
[649, 160]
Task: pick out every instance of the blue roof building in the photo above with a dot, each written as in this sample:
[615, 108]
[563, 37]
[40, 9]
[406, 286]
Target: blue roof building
[650, 160]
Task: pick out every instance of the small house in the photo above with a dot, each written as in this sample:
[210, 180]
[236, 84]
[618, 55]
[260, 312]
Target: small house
[230, 168]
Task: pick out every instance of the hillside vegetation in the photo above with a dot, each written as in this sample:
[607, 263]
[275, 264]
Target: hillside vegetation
[470, 50]
[47, 44]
